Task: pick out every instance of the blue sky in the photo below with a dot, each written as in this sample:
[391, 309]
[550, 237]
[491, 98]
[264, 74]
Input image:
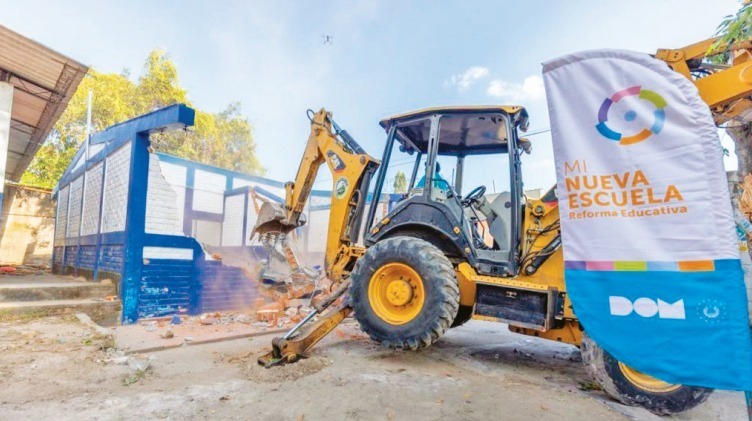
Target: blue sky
[386, 57]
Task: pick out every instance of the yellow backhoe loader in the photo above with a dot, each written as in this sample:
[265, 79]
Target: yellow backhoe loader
[439, 258]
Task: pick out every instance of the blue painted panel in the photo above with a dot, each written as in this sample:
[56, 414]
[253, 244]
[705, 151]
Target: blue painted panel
[112, 257]
[71, 253]
[88, 240]
[159, 240]
[57, 255]
[113, 238]
[191, 165]
[165, 287]
[225, 288]
[273, 196]
[98, 243]
[174, 116]
[188, 203]
[171, 117]
[210, 168]
[238, 191]
[205, 216]
[121, 253]
[87, 256]
[135, 226]
[57, 259]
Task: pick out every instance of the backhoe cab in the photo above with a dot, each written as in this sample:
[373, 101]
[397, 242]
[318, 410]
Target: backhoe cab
[435, 209]
[439, 258]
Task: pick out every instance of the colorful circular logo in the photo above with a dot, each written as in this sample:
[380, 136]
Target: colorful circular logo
[659, 115]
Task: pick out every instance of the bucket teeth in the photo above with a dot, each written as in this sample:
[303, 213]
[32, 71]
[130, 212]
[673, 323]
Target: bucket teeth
[275, 357]
[271, 218]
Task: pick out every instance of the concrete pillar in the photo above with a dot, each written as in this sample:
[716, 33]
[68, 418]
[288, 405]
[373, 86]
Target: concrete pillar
[6, 103]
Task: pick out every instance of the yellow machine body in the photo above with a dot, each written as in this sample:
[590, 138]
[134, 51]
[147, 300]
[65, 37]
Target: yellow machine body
[727, 89]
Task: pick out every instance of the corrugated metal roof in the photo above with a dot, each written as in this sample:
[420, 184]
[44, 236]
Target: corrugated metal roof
[44, 82]
[386, 123]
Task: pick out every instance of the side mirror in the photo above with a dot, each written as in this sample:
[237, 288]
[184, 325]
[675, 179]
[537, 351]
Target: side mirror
[407, 150]
[524, 123]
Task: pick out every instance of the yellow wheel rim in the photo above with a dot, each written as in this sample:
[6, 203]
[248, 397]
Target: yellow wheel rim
[645, 382]
[396, 293]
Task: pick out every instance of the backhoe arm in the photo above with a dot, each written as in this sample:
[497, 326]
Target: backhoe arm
[726, 88]
[351, 168]
[296, 343]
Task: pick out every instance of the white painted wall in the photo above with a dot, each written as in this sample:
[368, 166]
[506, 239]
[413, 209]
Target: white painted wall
[232, 226]
[209, 196]
[168, 253]
[95, 148]
[209, 191]
[176, 175]
[74, 206]
[61, 223]
[79, 162]
[318, 227]
[92, 200]
[251, 218]
[162, 203]
[239, 182]
[207, 232]
[116, 189]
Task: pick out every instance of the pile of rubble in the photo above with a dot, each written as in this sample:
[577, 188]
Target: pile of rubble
[282, 312]
[161, 333]
[22, 270]
[285, 283]
[277, 314]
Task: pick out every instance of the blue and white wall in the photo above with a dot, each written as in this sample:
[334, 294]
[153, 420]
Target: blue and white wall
[152, 222]
[102, 229]
[215, 206]
[145, 220]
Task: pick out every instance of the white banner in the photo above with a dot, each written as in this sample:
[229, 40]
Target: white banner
[638, 160]
[650, 250]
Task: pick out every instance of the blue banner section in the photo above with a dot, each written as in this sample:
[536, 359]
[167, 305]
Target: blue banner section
[679, 326]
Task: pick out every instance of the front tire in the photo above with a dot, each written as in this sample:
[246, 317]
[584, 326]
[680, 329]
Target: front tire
[634, 388]
[404, 293]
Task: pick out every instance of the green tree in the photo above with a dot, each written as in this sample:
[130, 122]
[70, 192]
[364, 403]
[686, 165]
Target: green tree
[400, 183]
[735, 28]
[224, 139]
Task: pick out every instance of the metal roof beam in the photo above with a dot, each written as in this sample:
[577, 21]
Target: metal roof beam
[67, 77]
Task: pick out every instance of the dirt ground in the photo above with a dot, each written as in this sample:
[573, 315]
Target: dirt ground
[57, 368]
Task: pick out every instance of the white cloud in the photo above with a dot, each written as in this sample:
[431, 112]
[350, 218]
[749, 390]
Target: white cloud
[531, 89]
[467, 78]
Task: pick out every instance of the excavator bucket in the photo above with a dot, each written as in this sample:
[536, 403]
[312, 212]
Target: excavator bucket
[271, 218]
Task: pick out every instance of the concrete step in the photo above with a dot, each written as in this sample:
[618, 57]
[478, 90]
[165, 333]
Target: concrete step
[105, 313]
[54, 291]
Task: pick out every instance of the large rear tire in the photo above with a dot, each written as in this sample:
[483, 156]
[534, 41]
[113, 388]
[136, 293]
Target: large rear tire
[404, 293]
[634, 388]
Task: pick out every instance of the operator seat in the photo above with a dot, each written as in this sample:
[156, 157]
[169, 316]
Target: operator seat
[499, 222]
